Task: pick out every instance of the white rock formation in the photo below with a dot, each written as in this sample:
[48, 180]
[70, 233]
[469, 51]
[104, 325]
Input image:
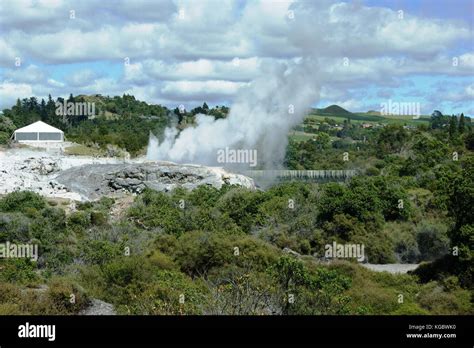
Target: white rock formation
[53, 174]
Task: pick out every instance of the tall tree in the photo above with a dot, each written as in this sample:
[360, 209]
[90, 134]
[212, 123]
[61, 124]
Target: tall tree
[453, 126]
[462, 124]
[43, 110]
[438, 120]
[71, 98]
[51, 112]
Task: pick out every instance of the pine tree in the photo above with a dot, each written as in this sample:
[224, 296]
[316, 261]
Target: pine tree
[43, 111]
[462, 124]
[453, 124]
[51, 112]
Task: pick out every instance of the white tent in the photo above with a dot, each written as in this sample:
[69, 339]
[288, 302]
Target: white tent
[38, 132]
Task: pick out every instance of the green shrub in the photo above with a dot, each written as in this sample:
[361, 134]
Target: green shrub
[433, 241]
[372, 171]
[64, 297]
[60, 296]
[409, 308]
[98, 218]
[198, 252]
[18, 271]
[242, 206]
[79, 220]
[156, 209]
[168, 293]
[241, 291]
[403, 237]
[436, 301]
[162, 261]
[99, 252]
[318, 291]
[21, 201]
[14, 227]
[4, 137]
[138, 285]
[10, 308]
[9, 293]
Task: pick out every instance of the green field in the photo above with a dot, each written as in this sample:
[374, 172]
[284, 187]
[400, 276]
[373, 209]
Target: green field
[358, 118]
[368, 118]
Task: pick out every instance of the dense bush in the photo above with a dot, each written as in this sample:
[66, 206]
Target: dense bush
[21, 271]
[6, 129]
[305, 291]
[457, 301]
[14, 227]
[137, 286]
[21, 201]
[198, 252]
[60, 296]
[432, 240]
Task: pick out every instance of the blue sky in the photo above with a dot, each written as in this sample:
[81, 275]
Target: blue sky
[442, 9]
[187, 52]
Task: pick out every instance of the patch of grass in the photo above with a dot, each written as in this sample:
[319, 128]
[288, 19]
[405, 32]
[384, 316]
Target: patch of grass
[82, 150]
[300, 136]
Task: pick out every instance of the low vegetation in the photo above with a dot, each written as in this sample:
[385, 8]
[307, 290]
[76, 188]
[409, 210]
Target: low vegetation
[237, 251]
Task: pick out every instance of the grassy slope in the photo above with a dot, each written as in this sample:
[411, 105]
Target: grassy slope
[361, 117]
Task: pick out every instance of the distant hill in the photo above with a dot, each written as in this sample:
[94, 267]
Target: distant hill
[333, 110]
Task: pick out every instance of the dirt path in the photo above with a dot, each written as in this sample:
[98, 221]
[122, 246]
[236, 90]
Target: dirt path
[394, 268]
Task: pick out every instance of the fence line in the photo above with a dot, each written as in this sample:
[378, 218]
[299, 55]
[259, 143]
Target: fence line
[302, 174]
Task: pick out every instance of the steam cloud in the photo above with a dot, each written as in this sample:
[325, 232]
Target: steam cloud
[260, 119]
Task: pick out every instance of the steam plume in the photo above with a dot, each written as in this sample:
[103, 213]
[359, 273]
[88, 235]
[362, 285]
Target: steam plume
[260, 119]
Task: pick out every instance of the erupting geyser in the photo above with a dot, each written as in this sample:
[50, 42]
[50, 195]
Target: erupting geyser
[259, 119]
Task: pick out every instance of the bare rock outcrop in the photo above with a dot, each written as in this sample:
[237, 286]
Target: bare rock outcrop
[41, 165]
[92, 181]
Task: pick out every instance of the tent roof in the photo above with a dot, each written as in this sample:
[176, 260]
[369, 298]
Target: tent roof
[38, 127]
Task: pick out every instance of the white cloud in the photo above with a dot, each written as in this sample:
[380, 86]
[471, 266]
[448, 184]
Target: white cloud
[201, 69]
[82, 78]
[175, 57]
[29, 74]
[10, 92]
[55, 84]
[210, 90]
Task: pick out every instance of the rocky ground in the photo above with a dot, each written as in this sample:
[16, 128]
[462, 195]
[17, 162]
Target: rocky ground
[98, 307]
[95, 180]
[53, 174]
